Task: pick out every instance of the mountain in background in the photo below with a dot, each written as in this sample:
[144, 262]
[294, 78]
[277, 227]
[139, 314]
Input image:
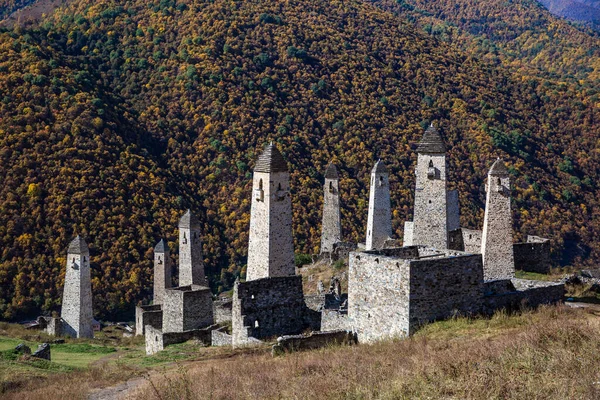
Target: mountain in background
[117, 117]
[586, 11]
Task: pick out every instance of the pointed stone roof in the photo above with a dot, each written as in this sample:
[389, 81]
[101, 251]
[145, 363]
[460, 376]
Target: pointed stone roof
[431, 142]
[189, 220]
[270, 160]
[161, 247]
[78, 246]
[379, 168]
[498, 168]
[331, 172]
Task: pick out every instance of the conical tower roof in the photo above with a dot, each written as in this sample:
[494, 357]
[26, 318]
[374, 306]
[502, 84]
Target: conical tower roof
[78, 246]
[189, 220]
[379, 168]
[270, 160]
[431, 142]
[498, 168]
[331, 172]
[161, 246]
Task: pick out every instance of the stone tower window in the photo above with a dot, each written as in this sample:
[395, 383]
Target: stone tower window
[381, 182]
[84, 258]
[431, 170]
[159, 261]
[256, 324]
[73, 262]
[499, 185]
[260, 193]
[184, 238]
[330, 187]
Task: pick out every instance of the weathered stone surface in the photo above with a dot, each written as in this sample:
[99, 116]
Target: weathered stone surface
[379, 220]
[314, 340]
[270, 246]
[467, 240]
[270, 307]
[222, 311]
[156, 340]
[533, 256]
[516, 294]
[76, 310]
[452, 210]
[43, 351]
[430, 218]
[191, 266]
[331, 227]
[148, 315]
[162, 271]
[220, 338]
[187, 308]
[496, 242]
[333, 320]
[22, 348]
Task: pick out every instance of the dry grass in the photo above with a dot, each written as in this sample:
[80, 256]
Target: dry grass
[322, 271]
[552, 353]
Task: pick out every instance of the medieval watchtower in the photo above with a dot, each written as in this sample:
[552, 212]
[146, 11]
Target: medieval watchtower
[331, 228]
[271, 245]
[430, 219]
[162, 271]
[77, 296]
[496, 243]
[191, 267]
[379, 222]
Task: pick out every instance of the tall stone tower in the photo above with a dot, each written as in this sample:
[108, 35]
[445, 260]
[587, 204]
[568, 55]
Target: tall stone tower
[162, 271]
[77, 296]
[430, 226]
[379, 222]
[191, 267]
[331, 229]
[271, 246]
[496, 242]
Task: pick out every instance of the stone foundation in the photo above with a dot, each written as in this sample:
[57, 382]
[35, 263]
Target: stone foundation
[314, 340]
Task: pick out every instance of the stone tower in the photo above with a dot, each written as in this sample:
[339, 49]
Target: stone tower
[271, 246]
[379, 222]
[77, 296]
[496, 242]
[430, 226]
[191, 268]
[162, 271]
[331, 229]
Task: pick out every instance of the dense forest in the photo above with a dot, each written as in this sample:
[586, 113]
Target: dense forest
[115, 117]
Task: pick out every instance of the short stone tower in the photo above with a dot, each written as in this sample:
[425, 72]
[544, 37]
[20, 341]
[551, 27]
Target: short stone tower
[271, 245]
[191, 267]
[379, 222]
[162, 271]
[496, 242]
[77, 296]
[430, 219]
[331, 229]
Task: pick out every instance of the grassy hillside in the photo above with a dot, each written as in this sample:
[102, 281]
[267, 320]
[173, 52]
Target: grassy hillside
[117, 116]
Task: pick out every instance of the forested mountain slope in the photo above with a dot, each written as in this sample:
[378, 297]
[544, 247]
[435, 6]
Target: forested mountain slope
[117, 116]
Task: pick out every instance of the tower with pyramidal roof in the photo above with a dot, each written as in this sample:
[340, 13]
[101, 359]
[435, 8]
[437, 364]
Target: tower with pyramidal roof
[76, 309]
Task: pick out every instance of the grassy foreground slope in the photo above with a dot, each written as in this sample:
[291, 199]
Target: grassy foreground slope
[117, 116]
[551, 353]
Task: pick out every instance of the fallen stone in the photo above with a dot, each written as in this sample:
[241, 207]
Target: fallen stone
[43, 351]
[22, 348]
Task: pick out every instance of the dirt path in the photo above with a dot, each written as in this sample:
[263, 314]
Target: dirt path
[117, 392]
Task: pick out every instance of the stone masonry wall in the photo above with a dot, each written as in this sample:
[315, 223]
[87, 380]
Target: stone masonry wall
[222, 311]
[270, 307]
[333, 320]
[162, 275]
[453, 210]
[378, 296]
[430, 212]
[533, 256]
[271, 246]
[519, 293]
[148, 315]
[331, 228]
[467, 240]
[187, 308]
[77, 297]
[443, 287]
[497, 243]
[191, 266]
[379, 220]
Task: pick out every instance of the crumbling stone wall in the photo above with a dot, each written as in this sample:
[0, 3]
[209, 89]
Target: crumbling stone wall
[314, 340]
[220, 338]
[333, 320]
[270, 307]
[222, 311]
[467, 240]
[186, 308]
[148, 315]
[514, 294]
[156, 340]
[533, 256]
